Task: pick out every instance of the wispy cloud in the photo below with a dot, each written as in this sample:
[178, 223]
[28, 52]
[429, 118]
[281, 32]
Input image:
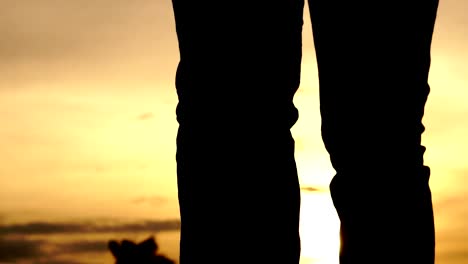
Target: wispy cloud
[311, 189]
[146, 116]
[151, 200]
[48, 228]
[83, 246]
[59, 261]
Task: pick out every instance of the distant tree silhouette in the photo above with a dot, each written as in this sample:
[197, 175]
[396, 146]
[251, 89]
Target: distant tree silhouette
[145, 252]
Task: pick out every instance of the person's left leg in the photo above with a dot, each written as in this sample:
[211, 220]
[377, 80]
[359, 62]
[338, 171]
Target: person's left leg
[373, 59]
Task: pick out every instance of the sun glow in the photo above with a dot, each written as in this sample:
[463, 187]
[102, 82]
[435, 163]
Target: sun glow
[319, 229]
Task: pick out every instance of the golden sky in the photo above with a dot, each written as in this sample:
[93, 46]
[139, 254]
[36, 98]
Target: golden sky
[87, 101]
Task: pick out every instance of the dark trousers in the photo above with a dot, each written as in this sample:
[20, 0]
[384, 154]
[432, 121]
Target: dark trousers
[239, 69]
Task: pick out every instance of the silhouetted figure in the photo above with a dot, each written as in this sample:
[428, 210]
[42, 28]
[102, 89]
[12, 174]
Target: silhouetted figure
[127, 252]
[239, 69]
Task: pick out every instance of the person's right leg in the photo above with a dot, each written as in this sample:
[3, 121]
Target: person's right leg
[237, 179]
[373, 60]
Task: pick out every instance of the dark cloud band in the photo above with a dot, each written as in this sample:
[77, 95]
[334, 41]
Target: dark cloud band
[48, 228]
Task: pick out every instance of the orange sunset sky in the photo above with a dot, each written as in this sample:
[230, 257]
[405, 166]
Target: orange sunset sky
[87, 141]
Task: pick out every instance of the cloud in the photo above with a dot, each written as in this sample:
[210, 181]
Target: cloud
[14, 249]
[49, 28]
[453, 201]
[59, 261]
[83, 246]
[151, 200]
[311, 189]
[101, 40]
[48, 228]
[452, 211]
[146, 116]
[18, 248]
[455, 256]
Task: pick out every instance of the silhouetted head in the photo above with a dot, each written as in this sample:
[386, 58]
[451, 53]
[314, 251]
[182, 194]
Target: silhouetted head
[128, 252]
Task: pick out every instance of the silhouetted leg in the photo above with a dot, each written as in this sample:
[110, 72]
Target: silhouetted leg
[373, 59]
[238, 188]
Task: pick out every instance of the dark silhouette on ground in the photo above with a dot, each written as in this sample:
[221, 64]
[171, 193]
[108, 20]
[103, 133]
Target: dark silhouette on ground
[145, 252]
[239, 69]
